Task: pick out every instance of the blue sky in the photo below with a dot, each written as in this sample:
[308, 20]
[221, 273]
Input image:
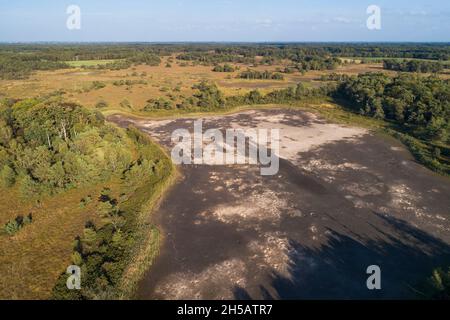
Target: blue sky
[224, 20]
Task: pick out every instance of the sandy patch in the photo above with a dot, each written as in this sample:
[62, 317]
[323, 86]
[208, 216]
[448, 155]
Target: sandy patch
[263, 206]
[189, 285]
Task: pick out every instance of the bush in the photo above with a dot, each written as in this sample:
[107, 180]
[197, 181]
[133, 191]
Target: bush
[12, 227]
[7, 176]
[438, 285]
[101, 104]
[224, 68]
[97, 85]
[126, 104]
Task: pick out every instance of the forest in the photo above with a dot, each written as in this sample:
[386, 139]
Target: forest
[303, 56]
[413, 66]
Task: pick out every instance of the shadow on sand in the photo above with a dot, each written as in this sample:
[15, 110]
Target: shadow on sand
[338, 269]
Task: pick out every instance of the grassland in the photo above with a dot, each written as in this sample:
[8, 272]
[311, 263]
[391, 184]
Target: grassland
[151, 82]
[88, 63]
[32, 260]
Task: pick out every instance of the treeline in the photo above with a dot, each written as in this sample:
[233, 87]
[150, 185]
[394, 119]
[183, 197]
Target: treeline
[260, 75]
[334, 77]
[138, 59]
[280, 96]
[223, 68]
[208, 97]
[20, 67]
[19, 61]
[311, 62]
[104, 250]
[74, 52]
[418, 106]
[212, 58]
[422, 102]
[430, 51]
[300, 60]
[413, 66]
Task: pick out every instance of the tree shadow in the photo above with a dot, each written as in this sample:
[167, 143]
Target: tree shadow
[337, 270]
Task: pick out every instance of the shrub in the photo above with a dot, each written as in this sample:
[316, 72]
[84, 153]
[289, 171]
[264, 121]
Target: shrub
[97, 85]
[126, 104]
[7, 176]
[101, 104]
[12, 227]
[438, 285]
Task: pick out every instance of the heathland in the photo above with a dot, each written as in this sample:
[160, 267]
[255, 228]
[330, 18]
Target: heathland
[79, 190]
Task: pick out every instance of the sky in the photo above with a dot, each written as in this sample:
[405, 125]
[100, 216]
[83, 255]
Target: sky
[224, 20]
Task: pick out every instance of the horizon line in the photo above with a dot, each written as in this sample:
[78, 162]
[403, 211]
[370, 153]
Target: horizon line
[224, 42]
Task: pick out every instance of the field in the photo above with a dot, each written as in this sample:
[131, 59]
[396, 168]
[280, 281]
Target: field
[89, 63]
[148, 82]
[32, 260]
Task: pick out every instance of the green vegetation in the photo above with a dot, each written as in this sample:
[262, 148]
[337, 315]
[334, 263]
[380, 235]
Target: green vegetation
[207, 97]
[281, 96]
[14, 226]
[258, 75]
[51, 149]
[51, 146]
[102, 104]
[159, 104]
[129, 82]
[223, 68]
[333, 77]
[104, 252]
[417, 106]
[89, 63]
[438, 285]
[21, 66]
[413, 66]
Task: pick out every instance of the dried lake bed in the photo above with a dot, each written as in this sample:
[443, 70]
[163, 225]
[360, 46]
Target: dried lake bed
[344, 199]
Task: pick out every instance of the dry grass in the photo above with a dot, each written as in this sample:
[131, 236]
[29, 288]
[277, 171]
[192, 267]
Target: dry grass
[32, 260]
[175, 82]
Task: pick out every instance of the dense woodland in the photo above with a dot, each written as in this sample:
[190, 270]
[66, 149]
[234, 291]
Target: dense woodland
[413, 66]
[47, 147]
[17, 61]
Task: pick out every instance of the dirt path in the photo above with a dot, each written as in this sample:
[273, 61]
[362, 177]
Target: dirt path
[343, 200]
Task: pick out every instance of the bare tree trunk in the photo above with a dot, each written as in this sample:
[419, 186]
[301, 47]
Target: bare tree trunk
[49, 142]
[63, 126]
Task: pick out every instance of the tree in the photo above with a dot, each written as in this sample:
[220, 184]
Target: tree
[209, 96]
